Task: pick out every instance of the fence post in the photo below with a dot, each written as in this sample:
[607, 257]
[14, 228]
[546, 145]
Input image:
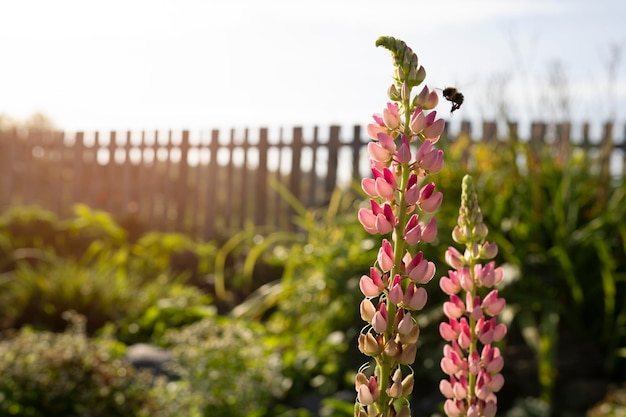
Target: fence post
[211, 187]
[604, 158]
[111, 189]
[295, 177]
[623, 147]
[261, 191]
[183, 191]
[490, 131]
[78, 165]
[563, 139]
[333, 156]
[356, 152]
[244, 184]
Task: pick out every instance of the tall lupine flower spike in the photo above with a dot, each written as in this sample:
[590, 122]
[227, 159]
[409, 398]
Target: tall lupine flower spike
[470, 361]
[401, 209]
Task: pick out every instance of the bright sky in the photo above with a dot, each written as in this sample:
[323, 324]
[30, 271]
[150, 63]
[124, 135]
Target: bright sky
[152, 64]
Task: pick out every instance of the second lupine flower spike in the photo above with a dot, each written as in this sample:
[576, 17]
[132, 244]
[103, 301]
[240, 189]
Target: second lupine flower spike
[470, 361]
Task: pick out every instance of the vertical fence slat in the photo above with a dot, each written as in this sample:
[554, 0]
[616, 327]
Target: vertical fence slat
[295, 178]
[333, 160]
[78, 156]
[244, 186]
[357, 145]
[182, 183]
[313, 178]
[211, 187]
[261, 188]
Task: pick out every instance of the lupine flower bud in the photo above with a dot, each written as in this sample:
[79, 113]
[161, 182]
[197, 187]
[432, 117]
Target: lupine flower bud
[391, 116]
[454, 308]
[393, 94]
[450, 331]
[395, 292]
[418, 121]
[367, 310]
[488, 250]
[420, 270]
[429, 233]
[385, 256]
[380, 319]
[413, 231]
[372, 285]
[434, 127]
[414, 297]
[454, 258]
[492, 305]
[367, 393]
[369, 345]
[407, 356]
[404, 152]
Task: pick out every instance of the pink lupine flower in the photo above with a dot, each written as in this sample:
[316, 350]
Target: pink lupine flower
[418, 121]
[428, 158]
[454, 308]
[395, 292]
[450, 331]
[454, 408]
[405, 324]
[465, 335]
[400, 209]
[368, 392]
[414, 297]
[429, 200]
[434, 127]
[471, 323]
[391, 116]
[378, 219]
[420, 270]
[412, 193]
[385, 256]
[380, 321]
[373, 129]
[377, 152]
[367, 310]
[387, 142]
[429, 233]
[372, 285]
[404, 152]
[473, 306]
[454, 258]
[487, 275]
[427, 99]
[489, 250]
[492, 305]
[450, 284]
[413, 231]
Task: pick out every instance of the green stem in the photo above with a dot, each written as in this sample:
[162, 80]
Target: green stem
[472, 323]
[384, 363]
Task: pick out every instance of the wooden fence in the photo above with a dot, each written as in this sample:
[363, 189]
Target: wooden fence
[228, 181]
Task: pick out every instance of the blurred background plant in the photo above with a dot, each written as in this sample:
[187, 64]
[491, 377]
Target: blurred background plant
[69, 374]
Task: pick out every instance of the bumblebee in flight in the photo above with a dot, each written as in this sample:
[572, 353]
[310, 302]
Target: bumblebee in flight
[454, 96]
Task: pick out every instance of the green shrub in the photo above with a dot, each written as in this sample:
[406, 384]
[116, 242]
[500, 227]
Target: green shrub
[104, 292]
[230, 366]
[67, 374]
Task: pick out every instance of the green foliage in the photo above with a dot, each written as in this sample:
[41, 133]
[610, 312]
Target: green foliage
[67, 374]
[104, 292]
[313, 309]
[229, 365]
